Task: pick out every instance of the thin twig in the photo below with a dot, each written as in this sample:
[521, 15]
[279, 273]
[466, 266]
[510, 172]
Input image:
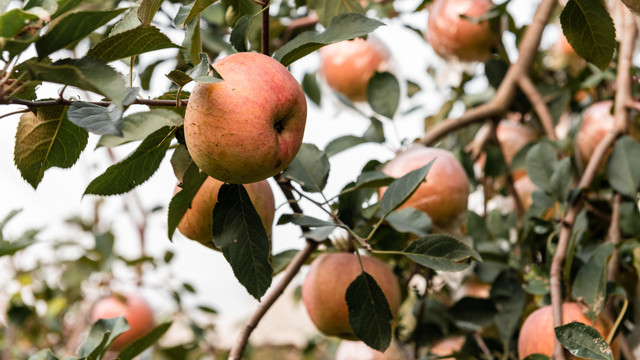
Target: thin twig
[13, 113]
[36, 104]
[539, 105]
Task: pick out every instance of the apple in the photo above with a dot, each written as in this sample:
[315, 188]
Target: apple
[134, 308]
[512, 137]
[524, 189]
[325, 286]
[447, 346]
[197, 222]
[348, 65]
[537, 334]
[249, 126]
[454, 37]
[597, 121]
[444, 194]
[357, 350]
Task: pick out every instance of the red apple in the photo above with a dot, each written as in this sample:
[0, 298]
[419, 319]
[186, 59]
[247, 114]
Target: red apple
[249, 126]
[134, 308]
[357, 350]
[348, 65]
[597, 121]
[537, 333]
[324, 289]
[447, 346]
[197, 221]
[524, 188]
[512, 137]
[453, 36]
[444, 194]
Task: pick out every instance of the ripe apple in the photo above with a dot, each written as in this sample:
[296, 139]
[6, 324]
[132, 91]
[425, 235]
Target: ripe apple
[447, 346]
[512, 137]
[357, 350]
[525, 188]
[197, 221]
[537, 334]
[134, 308]
[455, 37]
[348, 65]
[597, 120]
[249, 126]
[324, 289]
[444, 195]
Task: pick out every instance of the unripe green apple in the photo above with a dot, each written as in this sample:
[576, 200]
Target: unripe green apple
[453, 36]
[249, 126]
[324, 289]
[357, 350]
[197, 222]
[134, 308]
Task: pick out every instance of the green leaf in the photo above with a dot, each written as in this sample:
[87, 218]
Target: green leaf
[239, 33]
[371, 179]
[139, 40]
[136, 168]
[343, 143]
[14, 21]
[282, 259]
[43, 355]
[541, 163]
[95, 118]
[137, 347]
[148, 9]
[311, 88]
[138, 126]
[369, 313]
[473, 313]
[509, 298]
[304, 220]
[180, 78]
[310, 168]
[187, 12]
[623, 171]
[561, 180]
[400, 190]
[49, 5]
[441, 252]
[45, 140]
[200, 72]
[537, 281]
[72, 28]
[86, 73]
[410, 220]
[129, 21]
[343, 27]
[64, 6]
[240, 234]
[103, 332]
[383, 93]
[181, 201]
[590, 31]
[192, 43]
[12, 247]
[583, 341]
[591, 281]
[327, 10]
[537, 357]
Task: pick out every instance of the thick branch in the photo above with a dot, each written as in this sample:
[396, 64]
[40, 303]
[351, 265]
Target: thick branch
[36, 104]
[529, 89]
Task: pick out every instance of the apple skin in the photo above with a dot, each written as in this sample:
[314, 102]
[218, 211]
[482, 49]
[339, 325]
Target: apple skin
[134, 308]
[357, 350]
[348, 65]
[325, 287]
[454, 37]
[537, 334]
[444, 195]
[447, 346]
[524, 188]
[197, 222]
[249, 126]
[597, 121]
[512, 137]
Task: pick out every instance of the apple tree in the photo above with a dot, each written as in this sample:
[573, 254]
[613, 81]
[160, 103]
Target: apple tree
[547, 144]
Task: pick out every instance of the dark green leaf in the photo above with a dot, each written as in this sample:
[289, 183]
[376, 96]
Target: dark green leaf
[372, 179]
[400, 190]
[561, 180]
[343, 143]
[136, 168]
[537, 357]
[181, 201]
[180, 78]
[188, 12]
[583, 341]
[343, 27]
[72, 28]
[45, 140]
[494, 164]
[139, 40]
[148, 9]
[240, 234]
[441, 252]
[509, 298]
[192, 43]
[369, 313]
[473, 313]
[96, 119]
[138, 126]
[623, 171]
[13, 22]
[590, 30]
[312, 89]
[591, 281]
[281, 260]
[383, 93]
[103, 332]
[327, 10]
[541, 163]
[410, 220]
[304, 220]
[65, 6]
[137, 347]
[240, 32]
[375, 131]
[310, 168]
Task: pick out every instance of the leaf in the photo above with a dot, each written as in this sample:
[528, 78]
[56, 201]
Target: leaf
[561, 180]
[192, 43]
[310, 168]
[10, 248]
[86, 73]
[312, 89]
[200, 72]
[304, 220]
[537, 281]
[410, 220]
[239, 33]
[95, 118]
[43, 355]
[383, 93]
[181, 201]
[136, 168]
[139, 40]
[372, 179]
[343, 27]
[240, 234]
[72, 28]
[187, 12]
[343, 143]
[327, 10]
[64, 6]
[590, 31]
[623, 171]
[137, 347]
[441, 252]
[282, 259]
[400, 190]
[537, 357]
[509, 298]
[541, 163]
[473, 313]
[103, 332]
[49, 5]
[129, 21]
[148, 9]
[14, 21]
[46, 140]
[591, 281]
[583, 341]
[369, 313]
[138, 126]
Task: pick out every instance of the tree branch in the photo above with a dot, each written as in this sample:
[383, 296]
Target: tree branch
[57, 102]
[529, 89]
